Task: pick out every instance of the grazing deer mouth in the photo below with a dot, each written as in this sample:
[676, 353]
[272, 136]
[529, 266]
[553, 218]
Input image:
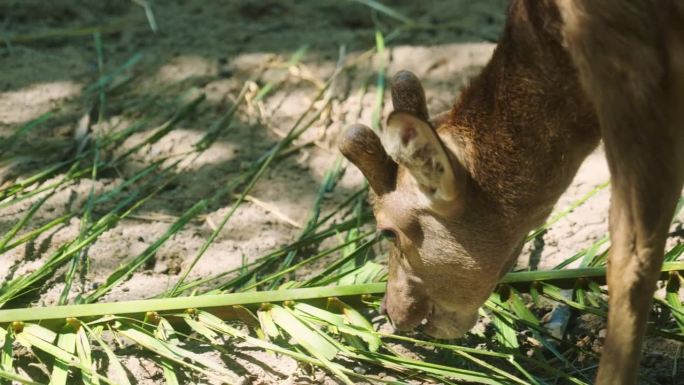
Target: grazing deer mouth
[447, 325]
[410, 316]
[426, 320]
[436, 323]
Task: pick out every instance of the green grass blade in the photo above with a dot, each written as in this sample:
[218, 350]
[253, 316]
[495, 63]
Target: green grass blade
[258, 169]
[106, 80]
[166, 333]
[303, 335]
[182, 303]
[674, 253]
[201, 329]
[39, 331]
[292, 268]
[554, 276]
[332, 274]
[31, 235]
[17, 378]
[7, 144]
[310, 340]
[500, 372]
[673, 299]
[30, 340]
[67, 342]
[125, 271]
[85, 356]
[382, 8]
[505, 332]
[354, 318]
[380, 86]
[562, 214]
[267, 325]
[121, 377]
[149, 14]
[181, 114]
[7, 354]
[220, 326]
[587, 255]
[443, 371]
[178, 355]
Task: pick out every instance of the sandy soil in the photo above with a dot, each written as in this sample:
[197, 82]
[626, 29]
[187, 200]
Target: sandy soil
[215, 48]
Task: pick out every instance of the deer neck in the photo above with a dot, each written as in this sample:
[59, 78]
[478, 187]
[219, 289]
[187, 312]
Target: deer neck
[524, 125]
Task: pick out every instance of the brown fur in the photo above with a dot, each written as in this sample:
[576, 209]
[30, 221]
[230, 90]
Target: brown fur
[513, 143]
[637, 86]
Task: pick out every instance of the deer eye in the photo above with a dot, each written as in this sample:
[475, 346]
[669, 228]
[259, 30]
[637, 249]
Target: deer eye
[388, 234]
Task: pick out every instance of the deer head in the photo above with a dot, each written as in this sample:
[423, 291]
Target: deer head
[448, 248]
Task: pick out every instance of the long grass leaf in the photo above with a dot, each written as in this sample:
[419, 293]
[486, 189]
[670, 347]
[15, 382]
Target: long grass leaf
[673, 299]
[17, 378]
[303, 335]
[437, 369]
[177, 354]
[7, 144]
[7, 353]
[505, 333]
[382, 8]
[311, 341]
[267, 325]
[67, 342]
[218, 325]
[117, 368]
[166, 333]
[30, 340]
[380, 86]
[354, 318]
[125, 271]
[85, 356]
[562, 214]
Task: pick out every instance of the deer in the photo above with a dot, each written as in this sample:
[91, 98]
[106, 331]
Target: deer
[456, 194]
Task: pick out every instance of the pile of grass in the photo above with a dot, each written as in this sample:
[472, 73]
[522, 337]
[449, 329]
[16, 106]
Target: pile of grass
[328, 320]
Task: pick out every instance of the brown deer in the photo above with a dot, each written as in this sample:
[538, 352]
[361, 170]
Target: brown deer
[458, 194]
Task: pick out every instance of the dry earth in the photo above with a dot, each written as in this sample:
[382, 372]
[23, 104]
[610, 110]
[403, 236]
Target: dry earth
[215, 48]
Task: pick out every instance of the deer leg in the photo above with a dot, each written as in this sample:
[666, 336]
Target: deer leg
[634, 78]
[639, 219]
[646, 181]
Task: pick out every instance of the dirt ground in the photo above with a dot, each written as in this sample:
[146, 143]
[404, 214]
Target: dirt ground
[215, 48]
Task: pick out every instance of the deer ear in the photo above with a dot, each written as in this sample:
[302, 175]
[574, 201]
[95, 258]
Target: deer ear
[414, 144]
